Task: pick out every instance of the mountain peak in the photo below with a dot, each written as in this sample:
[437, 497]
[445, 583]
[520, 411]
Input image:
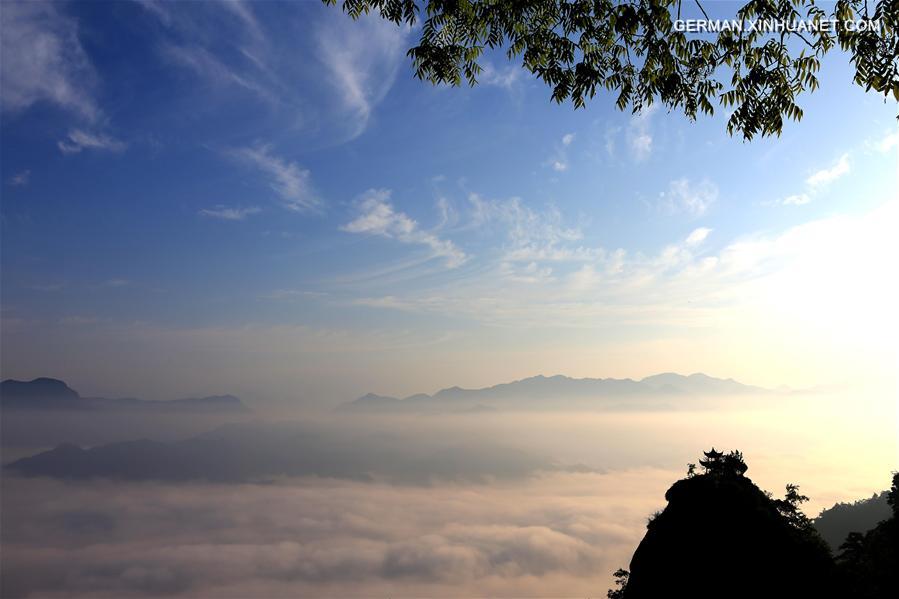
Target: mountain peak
[46, 393]
[560, 391]
[39, 389]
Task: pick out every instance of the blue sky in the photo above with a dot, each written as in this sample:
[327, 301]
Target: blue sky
[260, 198]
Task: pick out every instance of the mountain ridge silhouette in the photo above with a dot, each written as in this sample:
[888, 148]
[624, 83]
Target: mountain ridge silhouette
[558, 388]
[44, 393]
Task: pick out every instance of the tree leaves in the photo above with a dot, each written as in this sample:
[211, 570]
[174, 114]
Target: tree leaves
[632, 46]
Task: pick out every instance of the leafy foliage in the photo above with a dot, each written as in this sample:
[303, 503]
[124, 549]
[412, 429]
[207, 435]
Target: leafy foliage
[893, 494]
[717, 463]
[869, 562]
[621, 575]
[790, 508]
[633, 47]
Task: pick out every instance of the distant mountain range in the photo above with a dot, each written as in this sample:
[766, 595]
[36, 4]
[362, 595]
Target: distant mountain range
[835, 523]
[53, 394]
[555, 392]
[259, 451]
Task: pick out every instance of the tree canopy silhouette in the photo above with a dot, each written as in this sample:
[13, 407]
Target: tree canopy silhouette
[722, 536]
[637, 49]
[869, 561]
[838, 521]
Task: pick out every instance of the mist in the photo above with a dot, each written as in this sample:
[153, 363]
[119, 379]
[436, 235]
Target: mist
[499, 503]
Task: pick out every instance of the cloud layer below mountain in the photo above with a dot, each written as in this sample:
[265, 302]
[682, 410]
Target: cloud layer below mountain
[558, 534]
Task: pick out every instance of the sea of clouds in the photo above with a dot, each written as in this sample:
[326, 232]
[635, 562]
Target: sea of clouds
[547, 535]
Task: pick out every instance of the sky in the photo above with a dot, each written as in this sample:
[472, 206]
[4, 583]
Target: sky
[259, 198]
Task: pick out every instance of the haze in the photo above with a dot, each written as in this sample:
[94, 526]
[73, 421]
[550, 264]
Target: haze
[259, 200]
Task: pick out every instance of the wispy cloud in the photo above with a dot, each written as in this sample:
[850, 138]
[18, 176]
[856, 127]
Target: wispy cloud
[449, 216]
[292, 183]
[888, 142]
[826, 176]
[44, 61]
[817, 182]
[639, 134]
[698, 236]
[20, 179]
[244, 12]
[797, 199]
[230, 213]
[609, 136]
[377, 216]
[207, 65]
[684, 283]
[78, 140]
[529, 235]
[687, 197]
[507, 76]
[232, 53]
[157, 8]
[559, 160]
[235, 50]
[361, 60]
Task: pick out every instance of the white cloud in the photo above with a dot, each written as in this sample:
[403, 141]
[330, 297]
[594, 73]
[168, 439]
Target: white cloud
[377, 216]
[790, 281]
[226, 213]
[639, 134]
[448, 214]
[223, 44]
[818, 182]
[698, 236]
[827, 176]
[889, 141]
[43, 60]
[292, 183]
[78, 140]
[354, 63]
[207, 65]
[797, 199]
[609, 138]
[530, 235]
[507, 76]
[684, 196]
[559, 161]
[20, 179]
[158, 8]
[529, 273]
[244, 12]
[641, 145]
[361, 59]
[558, 534]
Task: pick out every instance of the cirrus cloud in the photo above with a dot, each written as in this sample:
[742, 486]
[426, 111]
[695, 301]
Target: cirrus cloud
[44, 61]
[377, 216]
[230, 213]
[684, 196]
[292, 183]
[79, 140]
